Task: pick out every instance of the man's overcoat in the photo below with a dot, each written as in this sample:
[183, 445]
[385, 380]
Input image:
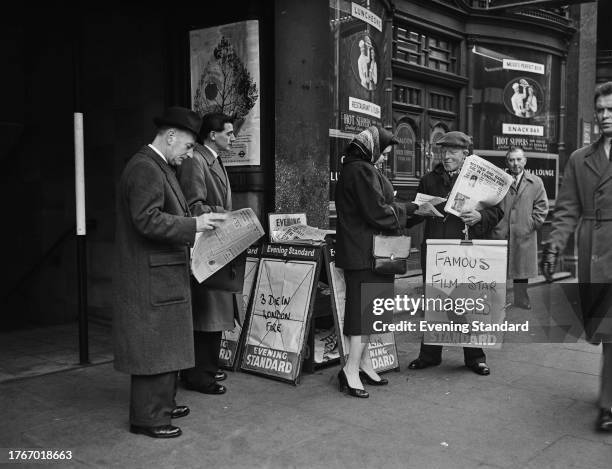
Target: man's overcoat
[525, 210]
[152, 324]
[206, 186]
[585, 202]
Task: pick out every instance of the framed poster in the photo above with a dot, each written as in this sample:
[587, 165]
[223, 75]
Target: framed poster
[224, 64]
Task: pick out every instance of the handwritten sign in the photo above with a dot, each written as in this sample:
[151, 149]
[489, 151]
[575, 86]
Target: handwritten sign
[381, 348]
[281, 312]
[465, 292]
[230, 340]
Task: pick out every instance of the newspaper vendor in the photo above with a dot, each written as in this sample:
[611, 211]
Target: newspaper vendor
[439, 182]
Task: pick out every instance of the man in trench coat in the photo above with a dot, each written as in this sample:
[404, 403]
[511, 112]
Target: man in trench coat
[525, 208]
[152, 324]
[218, 300]
[585, 203]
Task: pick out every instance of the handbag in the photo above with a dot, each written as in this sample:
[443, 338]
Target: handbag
[390, 253]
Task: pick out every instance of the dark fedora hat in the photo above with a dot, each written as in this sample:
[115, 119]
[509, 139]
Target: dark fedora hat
[181, 118]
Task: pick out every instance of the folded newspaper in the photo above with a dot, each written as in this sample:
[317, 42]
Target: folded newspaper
[421, 198]
[299, 233]
[215, 248]
[479, 184]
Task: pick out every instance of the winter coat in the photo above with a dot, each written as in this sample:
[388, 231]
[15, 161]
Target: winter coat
[152, 324]
[524, 213]
[365, 207]
[218, 300]
[585, 203]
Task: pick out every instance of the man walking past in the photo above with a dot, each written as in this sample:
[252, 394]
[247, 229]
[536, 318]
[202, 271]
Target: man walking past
[585, 202]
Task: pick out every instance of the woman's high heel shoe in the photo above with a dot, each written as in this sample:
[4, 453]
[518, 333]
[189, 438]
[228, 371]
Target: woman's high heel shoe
[344, 386]
[369, 380]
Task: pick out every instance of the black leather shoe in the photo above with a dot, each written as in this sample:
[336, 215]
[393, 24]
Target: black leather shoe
[220, 375]
[163, 431]
[419, 364]
[480, 369]
[604, 421]
[523, 305]
[179, 411]
[214, 388]
[366, 377]
[343, 386]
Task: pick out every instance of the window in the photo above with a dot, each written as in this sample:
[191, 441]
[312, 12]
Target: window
[426, 50]
[407, 95]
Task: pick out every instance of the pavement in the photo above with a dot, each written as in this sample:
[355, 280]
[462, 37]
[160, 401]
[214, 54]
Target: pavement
[536, 410]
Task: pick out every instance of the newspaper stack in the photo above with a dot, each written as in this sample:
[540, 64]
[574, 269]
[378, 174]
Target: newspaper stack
[300, 234]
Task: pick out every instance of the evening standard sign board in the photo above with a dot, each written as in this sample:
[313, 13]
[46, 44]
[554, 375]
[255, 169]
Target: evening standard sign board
[382, 350]
[465, 292]
[281, 311]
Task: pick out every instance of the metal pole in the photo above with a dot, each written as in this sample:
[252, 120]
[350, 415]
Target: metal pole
[81, 232]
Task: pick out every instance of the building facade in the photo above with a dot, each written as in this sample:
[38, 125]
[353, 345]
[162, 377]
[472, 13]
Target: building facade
[325, 70]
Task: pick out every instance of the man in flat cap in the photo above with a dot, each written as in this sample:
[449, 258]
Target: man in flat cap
[439, 182]
[152, 324]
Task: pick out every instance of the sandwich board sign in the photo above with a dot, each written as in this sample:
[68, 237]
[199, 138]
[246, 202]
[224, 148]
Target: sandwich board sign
[465, 292]
[281, 311]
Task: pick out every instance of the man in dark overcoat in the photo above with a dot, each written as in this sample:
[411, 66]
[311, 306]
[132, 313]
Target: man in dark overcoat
[585, 203]
[439, 182]
[218, 300]
[152, 323]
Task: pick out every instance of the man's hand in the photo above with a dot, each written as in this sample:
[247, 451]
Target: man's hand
[470, 217]
[210, 221]
[426, 209]
[550, 256]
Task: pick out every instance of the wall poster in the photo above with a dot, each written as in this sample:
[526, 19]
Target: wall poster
[360, 59]
[224, 62]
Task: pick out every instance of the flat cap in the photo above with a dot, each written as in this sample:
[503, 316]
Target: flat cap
[455, 139]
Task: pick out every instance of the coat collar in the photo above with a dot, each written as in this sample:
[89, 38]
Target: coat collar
[210, 161]
[169, 174]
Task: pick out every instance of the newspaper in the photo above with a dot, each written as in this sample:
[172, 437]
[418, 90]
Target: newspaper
[434, 200]
[215, 248]
[299, 233]
[479, 184]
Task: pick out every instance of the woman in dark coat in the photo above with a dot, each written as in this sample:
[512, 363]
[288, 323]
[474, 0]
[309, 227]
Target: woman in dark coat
[365, 206]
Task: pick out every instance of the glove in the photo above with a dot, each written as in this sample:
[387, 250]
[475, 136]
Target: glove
[549, 261]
